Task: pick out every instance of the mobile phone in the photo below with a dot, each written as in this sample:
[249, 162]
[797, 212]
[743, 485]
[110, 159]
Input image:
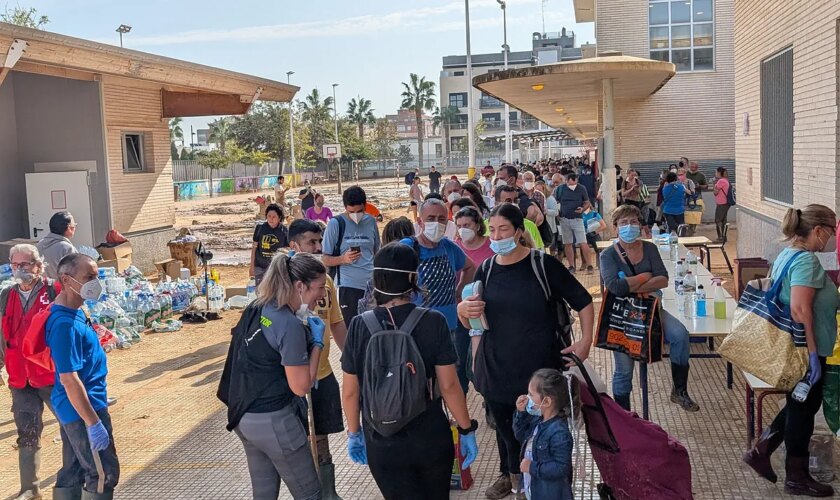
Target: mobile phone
[355, 249]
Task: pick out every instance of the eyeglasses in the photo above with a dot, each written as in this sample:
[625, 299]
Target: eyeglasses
[22, 265]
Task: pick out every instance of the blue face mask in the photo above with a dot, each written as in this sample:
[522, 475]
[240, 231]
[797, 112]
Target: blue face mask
[503, 247]
[532, 408]
[629, 233]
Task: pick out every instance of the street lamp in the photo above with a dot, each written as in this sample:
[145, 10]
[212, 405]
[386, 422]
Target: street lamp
[292, 131]
[122, 29]
[335, 117]
[470, 124]
[506, 49]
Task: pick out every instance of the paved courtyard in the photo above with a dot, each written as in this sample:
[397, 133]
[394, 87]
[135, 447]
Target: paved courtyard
[172, 443]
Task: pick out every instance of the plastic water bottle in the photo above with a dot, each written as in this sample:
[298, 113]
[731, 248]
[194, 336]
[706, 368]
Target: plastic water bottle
[674, 250]
[691, 261]
[655, 232]
[251, 289]
[681, 298]
[679, 268]
[700, 302]
[719, 300]
[689, 287]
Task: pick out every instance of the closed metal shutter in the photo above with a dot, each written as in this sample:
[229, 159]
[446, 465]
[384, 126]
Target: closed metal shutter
[777, 127]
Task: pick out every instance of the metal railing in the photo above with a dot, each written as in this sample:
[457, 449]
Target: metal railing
[490, 102]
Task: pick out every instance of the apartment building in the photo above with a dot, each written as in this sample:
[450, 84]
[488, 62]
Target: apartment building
[785, 116]
[488, 112]
[692, 115]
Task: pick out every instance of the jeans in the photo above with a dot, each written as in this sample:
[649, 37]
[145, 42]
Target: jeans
[461, 339]
[677, 336]
[78, 468]
[796, 420]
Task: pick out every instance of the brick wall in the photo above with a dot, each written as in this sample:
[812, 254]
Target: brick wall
[693, 114]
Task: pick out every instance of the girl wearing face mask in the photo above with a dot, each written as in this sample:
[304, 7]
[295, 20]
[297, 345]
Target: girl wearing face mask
[472, 235]
[813, 301]
[541, 425]
[272, 363]
[632, 266]
[522, 337]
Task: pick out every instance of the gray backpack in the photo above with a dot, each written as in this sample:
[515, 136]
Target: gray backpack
[395, 389]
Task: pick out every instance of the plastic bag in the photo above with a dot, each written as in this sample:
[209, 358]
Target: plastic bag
[170, 325]
[238, 302]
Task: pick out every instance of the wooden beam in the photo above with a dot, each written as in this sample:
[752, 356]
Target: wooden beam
[43, 69]
[3, 73]
[201, 104]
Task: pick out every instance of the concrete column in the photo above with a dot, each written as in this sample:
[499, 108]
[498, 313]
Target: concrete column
[608, 168]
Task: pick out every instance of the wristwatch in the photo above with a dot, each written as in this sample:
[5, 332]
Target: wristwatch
[472, 428]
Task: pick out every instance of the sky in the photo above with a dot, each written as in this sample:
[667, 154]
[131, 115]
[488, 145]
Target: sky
[368, 47]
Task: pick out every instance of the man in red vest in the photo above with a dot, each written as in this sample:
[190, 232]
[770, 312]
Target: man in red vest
[30, 383]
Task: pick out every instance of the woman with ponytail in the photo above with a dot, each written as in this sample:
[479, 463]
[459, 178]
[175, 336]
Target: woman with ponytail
[813, 301]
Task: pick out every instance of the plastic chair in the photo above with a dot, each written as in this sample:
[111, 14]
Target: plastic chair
[722, 247]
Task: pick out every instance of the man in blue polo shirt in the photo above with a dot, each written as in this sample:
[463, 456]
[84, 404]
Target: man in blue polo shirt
[90, 468]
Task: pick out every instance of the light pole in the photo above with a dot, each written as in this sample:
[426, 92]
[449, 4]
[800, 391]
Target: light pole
[470, 124]
[123, 28]
[292, 131]
[335, 117]
[506, 49]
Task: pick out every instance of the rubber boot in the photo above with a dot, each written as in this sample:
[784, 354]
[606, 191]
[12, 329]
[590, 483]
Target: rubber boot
[29, 460]
[758, 458]
[108, 495]
[623, 400]
[327, 476]
[798, 480]
[74, 493]
[679, 394]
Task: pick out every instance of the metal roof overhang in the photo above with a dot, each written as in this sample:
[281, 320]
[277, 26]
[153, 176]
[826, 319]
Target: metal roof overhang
[568, 95]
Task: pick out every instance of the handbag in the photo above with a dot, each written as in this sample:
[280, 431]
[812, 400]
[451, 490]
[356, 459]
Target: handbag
[765, 341]
[632, 325]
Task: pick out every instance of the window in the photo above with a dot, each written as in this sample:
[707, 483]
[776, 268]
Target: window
[458, 99]
[512, 116]
[777, 127]
[134, 156]
[682, 32]
[458, 73]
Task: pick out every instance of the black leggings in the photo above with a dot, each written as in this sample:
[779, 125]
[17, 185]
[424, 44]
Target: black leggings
[796, 420]
[674, 222]
[414, 466]
[509, 447]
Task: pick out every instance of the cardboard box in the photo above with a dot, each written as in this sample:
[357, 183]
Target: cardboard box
[119, 264]
[121, 251]
[169, 267]
[232, 291]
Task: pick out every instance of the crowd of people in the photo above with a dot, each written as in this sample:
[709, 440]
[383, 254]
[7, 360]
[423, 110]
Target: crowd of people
[415, 331]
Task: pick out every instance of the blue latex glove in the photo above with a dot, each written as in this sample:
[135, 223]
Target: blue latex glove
[317, 326]
[469, 449]
[814, 368]
[98, 436]
[356, 447]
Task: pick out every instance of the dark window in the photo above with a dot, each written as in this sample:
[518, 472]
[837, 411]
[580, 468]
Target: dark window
[777, 127]
[134, 157]
[512, 116]
[458, 99]
[458, 73]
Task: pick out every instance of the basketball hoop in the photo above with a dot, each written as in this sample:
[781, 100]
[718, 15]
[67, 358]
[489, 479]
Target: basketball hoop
[331, 158]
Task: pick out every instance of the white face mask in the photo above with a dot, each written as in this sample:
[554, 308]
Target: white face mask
[529, 185]
[466, 234]
[357, 216]
[434, 231]
[453, 197]
[572, 186]
[91, 290]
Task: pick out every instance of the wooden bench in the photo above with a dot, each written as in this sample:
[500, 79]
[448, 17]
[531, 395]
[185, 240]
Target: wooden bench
[757, 390]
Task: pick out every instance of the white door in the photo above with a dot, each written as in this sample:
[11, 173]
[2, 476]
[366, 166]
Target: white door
[51, 192]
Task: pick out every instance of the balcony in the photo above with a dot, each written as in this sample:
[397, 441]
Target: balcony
[495, 125]
[490, 102]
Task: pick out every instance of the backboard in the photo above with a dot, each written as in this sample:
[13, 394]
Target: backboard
[332, 151]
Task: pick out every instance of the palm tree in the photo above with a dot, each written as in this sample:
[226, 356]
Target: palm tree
[176, 133]
[316, 113]
[360, 113]
[419, 96]
[220, 133]
[444, 118]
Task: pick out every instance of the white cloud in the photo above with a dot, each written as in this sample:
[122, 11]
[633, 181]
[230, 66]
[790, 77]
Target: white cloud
[426, 19]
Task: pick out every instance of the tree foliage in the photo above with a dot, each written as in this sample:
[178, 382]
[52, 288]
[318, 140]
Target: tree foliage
[220, 133]
[360, 112]
[383, 138]
[419, 96]
[265, 129]
[404, 154]
[26, 17]
[317, 115]
[444, 118]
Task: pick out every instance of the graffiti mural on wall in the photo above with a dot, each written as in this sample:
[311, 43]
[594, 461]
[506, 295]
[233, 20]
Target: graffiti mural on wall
[201, 189]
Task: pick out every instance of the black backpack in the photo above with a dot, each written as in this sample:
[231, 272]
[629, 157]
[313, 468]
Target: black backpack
[730, 196]
[335, 271]
[409, 178]
[396, 387]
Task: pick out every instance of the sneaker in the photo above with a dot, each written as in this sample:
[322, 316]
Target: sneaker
[28, 495]
[590, 269]
[500, 489]
[572, 269]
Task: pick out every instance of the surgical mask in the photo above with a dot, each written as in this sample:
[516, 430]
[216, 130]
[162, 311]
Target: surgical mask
[91, 290]
[434, 231]
[830, 244]
[453, 197]
[629, 233]
[357, 216]
[466, 233]
[23, 277]
[503, 246]
[533, 408]
[572, 186]
[303, 311]
[529, 185]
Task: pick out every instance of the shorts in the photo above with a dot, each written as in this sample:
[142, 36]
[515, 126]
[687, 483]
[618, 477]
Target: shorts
[326, 407]
[572, 231]
[413, 203]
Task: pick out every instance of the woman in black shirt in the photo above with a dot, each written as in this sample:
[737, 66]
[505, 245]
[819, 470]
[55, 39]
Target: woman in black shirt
[269, 237]
[415, 462]
[522, 336]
